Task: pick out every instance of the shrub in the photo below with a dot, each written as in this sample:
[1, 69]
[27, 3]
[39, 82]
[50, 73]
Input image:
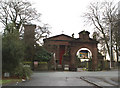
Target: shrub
[23, 72]
[12, 52]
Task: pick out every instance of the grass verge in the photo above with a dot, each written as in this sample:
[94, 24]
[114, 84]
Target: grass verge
[8, 81]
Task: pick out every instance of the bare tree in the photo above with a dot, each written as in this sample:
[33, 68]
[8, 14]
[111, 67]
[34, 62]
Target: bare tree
[101, 15]
[42, 32]
[96, 35]
[116, 39]
[17, 12]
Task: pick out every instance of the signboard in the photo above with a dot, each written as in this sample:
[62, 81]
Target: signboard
[83, 54]
[6, 74]
[35, 63]
[66, 67]
[79, 69]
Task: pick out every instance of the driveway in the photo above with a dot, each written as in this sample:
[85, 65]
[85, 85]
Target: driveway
[69, 78]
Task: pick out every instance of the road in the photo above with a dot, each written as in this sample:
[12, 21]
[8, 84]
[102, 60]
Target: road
[69, 78]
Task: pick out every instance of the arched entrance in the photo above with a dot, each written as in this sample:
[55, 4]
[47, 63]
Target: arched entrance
[84, 58]
[84, 54]
[91, 47]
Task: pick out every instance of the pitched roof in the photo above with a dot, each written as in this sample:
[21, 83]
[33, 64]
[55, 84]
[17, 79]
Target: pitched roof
[59, 36]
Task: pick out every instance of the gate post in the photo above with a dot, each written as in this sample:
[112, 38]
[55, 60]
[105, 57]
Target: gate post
[94, 59]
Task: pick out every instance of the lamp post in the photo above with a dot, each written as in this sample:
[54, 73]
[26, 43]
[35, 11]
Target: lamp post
[110, 44]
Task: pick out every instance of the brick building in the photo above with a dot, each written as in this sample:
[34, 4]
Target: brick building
[67, 46]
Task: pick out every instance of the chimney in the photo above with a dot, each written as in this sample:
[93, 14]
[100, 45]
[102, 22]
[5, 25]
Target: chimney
[84, 34]
[29, 32]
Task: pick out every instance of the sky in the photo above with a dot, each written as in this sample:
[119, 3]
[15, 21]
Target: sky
[64, 16]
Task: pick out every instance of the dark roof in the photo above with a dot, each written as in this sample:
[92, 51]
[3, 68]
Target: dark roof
[81, 40]
[73, 39]
[59, 35]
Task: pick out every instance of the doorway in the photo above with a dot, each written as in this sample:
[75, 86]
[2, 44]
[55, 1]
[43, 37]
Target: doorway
[84, 57]
[61, 53]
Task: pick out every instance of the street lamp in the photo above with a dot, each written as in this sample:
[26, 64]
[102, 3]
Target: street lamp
[110, 44]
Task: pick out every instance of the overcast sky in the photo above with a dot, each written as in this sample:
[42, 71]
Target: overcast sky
[64, 15]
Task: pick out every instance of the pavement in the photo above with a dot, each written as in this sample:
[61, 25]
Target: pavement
[85, 78]
[101, 82]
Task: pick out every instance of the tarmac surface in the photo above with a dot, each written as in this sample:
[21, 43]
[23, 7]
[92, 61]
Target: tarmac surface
[84, 78]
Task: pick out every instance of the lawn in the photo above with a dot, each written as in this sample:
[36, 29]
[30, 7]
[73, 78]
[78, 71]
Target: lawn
[7, 81]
